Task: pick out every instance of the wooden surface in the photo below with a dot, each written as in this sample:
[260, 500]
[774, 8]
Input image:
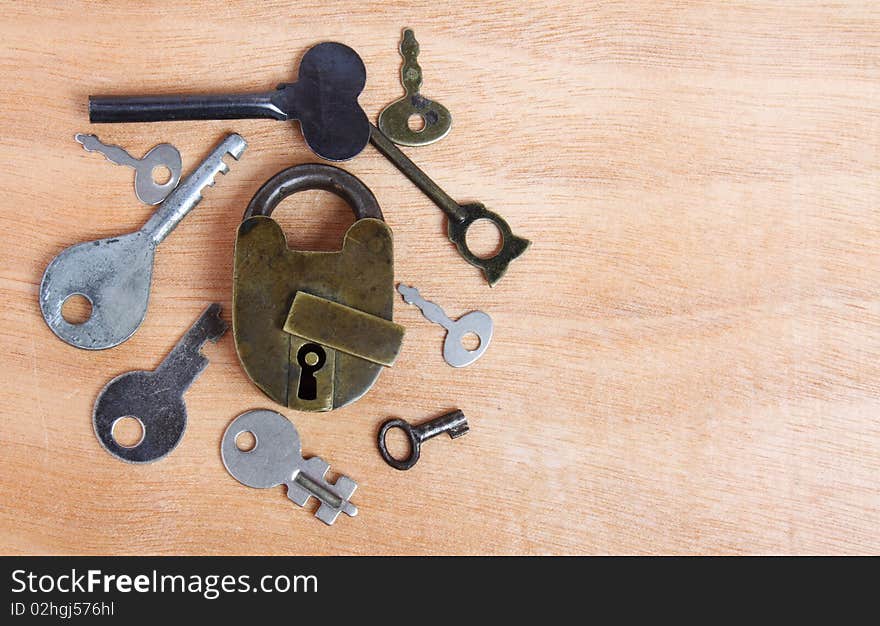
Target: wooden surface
[685, 361]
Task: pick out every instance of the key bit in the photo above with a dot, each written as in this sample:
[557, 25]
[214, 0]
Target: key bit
[323, 100]
[475, 322]
[155, 398]
[146, 188]
[394, 119]
[454, 424]
[276, 459]
[114, 274]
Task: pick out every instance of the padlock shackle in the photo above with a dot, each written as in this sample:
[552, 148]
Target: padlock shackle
[315, 176]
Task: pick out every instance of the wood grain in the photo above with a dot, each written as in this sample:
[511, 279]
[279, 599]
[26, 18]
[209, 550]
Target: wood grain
[685, 361]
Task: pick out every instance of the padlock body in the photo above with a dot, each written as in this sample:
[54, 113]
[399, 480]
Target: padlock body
[266, 278]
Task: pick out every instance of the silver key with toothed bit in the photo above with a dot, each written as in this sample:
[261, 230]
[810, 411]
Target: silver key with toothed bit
[114, 274]
[146, 188]
[475, 322]
[276, 459]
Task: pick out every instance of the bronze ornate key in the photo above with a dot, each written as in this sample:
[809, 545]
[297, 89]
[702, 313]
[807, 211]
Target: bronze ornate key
[394, 119]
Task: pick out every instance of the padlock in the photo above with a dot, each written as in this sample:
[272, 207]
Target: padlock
[313, 330]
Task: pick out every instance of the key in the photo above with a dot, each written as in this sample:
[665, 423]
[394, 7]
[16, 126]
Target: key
[146, 188]
[475, 322]
[394, 119]
[155, 398]
[276, 458]
[460, 216]
[454, 424]
[323, 100]
[114, 274]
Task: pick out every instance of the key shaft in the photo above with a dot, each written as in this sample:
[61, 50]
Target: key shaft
[165, 108]
[432, 311]
[189, 193]
[186, 359]
[454, 423]
[304, 485]
[447, 204]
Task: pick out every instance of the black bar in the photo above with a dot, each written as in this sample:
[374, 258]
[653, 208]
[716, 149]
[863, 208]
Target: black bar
[105, 109]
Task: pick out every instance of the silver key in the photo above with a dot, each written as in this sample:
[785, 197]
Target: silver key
[475, 322]
[114, 274]
[155, 398]
[276, 459]
[146, 188]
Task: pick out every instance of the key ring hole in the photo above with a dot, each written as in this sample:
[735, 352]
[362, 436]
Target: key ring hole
[246, 441]
[483, 238]
[161, 174]
[128, 431]
[398, 445]
[76, 309]
[416, 122]
[410, 459]
[470, 341]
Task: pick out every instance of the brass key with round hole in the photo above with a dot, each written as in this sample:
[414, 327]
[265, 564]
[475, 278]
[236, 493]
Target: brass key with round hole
[394, 119]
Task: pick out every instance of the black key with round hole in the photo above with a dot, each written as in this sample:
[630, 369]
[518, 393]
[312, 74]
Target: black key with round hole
[454, 424]
[155, 398]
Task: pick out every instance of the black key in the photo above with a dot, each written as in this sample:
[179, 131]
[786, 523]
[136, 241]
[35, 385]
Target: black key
[323, 100]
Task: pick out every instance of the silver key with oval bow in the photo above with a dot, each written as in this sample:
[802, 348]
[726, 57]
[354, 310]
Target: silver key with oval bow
[146, 188]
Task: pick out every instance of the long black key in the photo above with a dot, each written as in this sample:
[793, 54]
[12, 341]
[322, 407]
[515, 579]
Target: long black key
[323, 99]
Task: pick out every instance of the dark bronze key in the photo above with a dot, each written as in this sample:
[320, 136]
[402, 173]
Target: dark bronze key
[323, 99]
[454, 424]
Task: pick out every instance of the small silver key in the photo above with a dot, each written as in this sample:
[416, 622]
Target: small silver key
[146, 188]
[276, 458]
[114, 274]
[475, 322]
[155, 398]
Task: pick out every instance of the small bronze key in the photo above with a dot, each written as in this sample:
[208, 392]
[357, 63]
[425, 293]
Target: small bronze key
[454, 424]
[394, 119]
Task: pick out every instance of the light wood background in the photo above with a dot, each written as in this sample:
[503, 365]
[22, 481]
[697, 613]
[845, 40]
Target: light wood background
[685, 361]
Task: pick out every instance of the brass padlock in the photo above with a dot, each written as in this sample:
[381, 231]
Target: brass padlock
[313, 329]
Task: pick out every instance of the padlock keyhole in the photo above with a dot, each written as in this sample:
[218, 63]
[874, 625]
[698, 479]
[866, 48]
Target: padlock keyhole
[311, 358]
